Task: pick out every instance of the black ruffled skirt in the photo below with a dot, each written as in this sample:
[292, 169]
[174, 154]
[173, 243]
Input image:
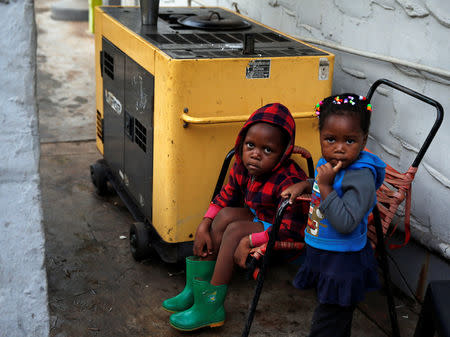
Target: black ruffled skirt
[340, 278]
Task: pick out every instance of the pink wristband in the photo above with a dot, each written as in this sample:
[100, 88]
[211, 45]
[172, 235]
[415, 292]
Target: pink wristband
[212, 211]
[260, 238]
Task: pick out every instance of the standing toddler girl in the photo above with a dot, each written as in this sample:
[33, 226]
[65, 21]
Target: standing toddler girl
[340, 262]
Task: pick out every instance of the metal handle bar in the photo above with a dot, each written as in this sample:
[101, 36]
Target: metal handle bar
[381, 250]
[272, 238]
[423, 98]
[223, 173]
[231, 119]
[311, 171]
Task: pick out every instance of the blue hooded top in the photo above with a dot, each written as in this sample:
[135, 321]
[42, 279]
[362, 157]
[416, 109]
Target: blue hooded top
[348, 206]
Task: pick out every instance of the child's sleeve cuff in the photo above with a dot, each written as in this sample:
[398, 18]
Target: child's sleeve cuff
[257, 239]
[212, 211]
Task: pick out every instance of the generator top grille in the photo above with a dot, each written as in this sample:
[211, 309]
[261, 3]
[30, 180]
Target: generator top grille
[181, 42]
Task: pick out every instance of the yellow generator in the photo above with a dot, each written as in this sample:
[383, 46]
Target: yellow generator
[171, 98]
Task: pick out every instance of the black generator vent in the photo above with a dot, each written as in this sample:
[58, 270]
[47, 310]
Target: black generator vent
[215, 38]
[186, 42]
[140, 135]
[108, 65]
[202, 53]
[229, 45]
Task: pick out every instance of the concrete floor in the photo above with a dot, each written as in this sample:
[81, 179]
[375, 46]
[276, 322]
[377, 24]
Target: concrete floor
[66, 86]
[95, 287]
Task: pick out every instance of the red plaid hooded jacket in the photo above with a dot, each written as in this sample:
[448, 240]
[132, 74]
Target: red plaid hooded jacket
[262, 193]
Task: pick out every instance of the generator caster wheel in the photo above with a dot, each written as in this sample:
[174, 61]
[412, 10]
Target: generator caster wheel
[139, 241]
[99, 177]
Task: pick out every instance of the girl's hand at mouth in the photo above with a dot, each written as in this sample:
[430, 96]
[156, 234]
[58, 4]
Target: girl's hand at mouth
[325, 177]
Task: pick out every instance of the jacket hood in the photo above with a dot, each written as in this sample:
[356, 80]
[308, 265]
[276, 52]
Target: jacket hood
[275, 114]
[375, 164]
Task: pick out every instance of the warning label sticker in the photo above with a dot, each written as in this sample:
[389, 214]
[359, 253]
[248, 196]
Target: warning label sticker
[258, 69]
[113, 102]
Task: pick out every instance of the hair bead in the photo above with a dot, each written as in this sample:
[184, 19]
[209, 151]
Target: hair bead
[317, 108]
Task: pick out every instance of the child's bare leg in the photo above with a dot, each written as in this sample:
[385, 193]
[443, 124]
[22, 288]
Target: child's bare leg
[233, 234]
[221, 221]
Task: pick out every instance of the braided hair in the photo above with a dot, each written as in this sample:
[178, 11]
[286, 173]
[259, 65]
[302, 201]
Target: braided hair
[347, 104]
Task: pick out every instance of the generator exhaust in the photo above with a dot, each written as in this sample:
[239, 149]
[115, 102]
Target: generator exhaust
[149, 12]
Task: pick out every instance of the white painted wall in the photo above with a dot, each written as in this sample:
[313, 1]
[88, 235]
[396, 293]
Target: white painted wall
[417, 31]
[23, 281]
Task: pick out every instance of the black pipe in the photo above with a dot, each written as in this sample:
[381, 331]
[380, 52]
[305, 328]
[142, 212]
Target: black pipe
[149, 12]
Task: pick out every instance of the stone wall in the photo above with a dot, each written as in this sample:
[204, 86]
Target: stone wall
[23, 282]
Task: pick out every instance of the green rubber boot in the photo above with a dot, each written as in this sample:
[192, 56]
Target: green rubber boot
[194, 268]
[207, 310]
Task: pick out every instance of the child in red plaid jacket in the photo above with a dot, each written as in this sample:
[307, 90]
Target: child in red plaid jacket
[228, 231]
